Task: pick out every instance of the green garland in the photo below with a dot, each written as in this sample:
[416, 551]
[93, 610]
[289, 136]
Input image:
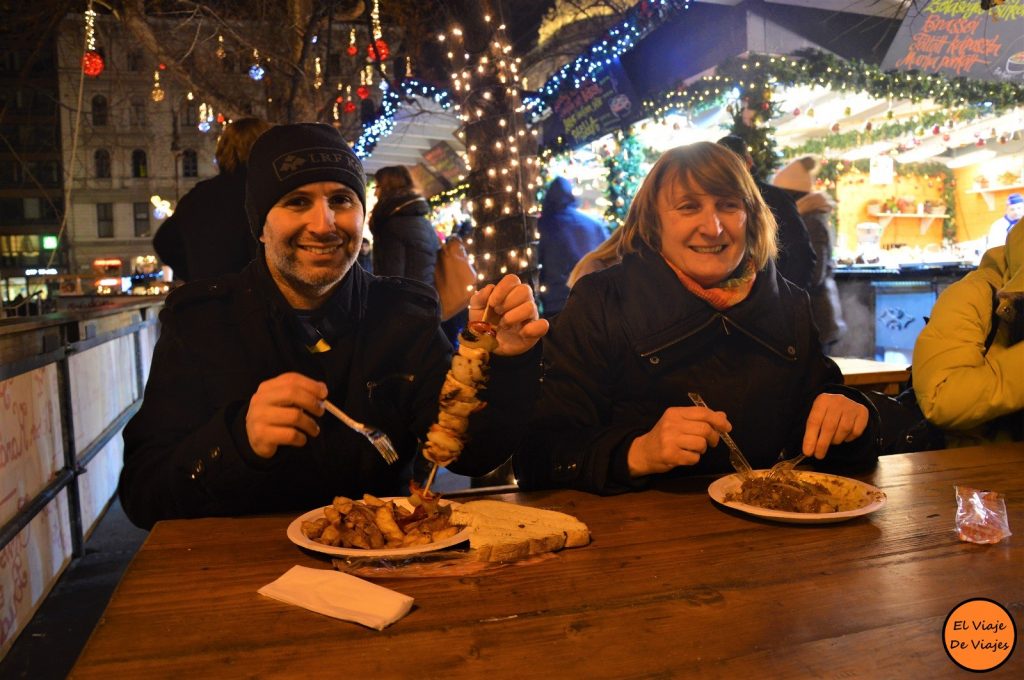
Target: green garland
[814, 67]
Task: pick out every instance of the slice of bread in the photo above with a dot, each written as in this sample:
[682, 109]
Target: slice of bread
[502, 532]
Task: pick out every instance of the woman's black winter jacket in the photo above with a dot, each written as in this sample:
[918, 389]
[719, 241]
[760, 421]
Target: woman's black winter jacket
[404, 242]
[632, 342]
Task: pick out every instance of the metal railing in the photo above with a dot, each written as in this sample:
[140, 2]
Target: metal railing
[29, 344]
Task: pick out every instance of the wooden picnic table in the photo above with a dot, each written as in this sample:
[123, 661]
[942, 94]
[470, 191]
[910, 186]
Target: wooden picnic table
[672, 585]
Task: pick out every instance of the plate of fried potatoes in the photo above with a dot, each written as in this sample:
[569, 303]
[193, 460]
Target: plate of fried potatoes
[376, 527]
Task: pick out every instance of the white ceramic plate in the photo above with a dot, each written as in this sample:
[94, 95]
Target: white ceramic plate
[298, 538]
[864, 497]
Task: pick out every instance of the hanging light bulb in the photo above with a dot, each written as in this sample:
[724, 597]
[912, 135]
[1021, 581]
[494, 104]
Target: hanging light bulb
[220, 51]
[92, 60]
[157, 94]
[378, 49]
[206, 117]
[352, 50]
[256, 71]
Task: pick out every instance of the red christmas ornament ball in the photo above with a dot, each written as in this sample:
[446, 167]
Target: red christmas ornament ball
[980, 142]
[383, 51]
[352, 50]
[363, 91]
[92, 63]
[350, 107]
[796, 111]
[936, 130]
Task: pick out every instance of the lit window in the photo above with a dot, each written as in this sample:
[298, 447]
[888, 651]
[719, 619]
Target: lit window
[139, 168]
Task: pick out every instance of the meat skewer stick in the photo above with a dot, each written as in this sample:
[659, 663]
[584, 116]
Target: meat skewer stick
[458, 394]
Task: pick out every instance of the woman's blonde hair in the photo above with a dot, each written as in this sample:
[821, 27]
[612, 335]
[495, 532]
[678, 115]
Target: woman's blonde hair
[710, 167]
[236, 140]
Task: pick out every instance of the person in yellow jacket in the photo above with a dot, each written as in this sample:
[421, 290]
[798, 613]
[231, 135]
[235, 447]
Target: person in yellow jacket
[968, 361]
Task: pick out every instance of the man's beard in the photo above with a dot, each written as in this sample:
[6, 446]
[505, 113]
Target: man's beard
[317, 282]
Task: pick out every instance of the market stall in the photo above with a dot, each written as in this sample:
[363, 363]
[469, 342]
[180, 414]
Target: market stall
[921, 165]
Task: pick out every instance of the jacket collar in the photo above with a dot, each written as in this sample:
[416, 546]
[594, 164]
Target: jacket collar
[658, 311]
[397, 205]
[343, 310]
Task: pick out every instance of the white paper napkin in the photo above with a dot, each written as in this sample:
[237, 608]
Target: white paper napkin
[342, 596]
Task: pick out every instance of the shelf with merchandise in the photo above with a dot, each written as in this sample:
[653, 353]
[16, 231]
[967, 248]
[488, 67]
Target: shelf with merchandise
[925, 219]
[988, 193]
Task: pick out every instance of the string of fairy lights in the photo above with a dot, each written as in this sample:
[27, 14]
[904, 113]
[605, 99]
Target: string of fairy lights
[487, 88]
[963, 100]
[510, 189]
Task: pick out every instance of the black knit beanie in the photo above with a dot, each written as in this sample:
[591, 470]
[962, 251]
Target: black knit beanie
[286, 157]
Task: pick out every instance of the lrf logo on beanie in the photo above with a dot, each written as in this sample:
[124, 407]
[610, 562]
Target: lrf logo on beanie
[314, 159]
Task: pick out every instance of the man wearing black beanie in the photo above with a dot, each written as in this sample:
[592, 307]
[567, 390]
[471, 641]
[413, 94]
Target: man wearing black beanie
[233, 416]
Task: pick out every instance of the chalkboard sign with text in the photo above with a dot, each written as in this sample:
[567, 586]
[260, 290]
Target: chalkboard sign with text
[598, 106]
[958, 38]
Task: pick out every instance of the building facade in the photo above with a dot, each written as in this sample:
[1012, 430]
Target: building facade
[123, 146]
[31, 188]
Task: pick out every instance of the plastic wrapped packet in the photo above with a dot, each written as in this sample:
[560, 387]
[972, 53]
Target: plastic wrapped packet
[981, 515]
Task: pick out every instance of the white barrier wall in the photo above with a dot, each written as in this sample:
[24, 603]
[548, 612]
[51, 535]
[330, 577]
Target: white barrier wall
[31, 453]
[102, 386]
[97, 360]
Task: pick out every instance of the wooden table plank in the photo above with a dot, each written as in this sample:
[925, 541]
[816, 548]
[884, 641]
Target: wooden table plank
[671, 585]
[870, 374]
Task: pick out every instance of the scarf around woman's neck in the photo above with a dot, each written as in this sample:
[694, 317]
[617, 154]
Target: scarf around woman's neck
[729, 293]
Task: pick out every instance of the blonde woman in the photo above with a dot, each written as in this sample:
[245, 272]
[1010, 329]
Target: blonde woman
[695, 305]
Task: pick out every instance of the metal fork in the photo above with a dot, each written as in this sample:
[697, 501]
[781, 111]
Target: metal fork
[380, 441]
[786, 464]
[736, 457]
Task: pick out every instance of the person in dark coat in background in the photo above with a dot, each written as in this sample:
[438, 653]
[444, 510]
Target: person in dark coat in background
[233, 419]
[695, 305]
[796, 259]
[815, 207]
[566, 235]
[365, 258]
[208, 234]
[404, 242]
